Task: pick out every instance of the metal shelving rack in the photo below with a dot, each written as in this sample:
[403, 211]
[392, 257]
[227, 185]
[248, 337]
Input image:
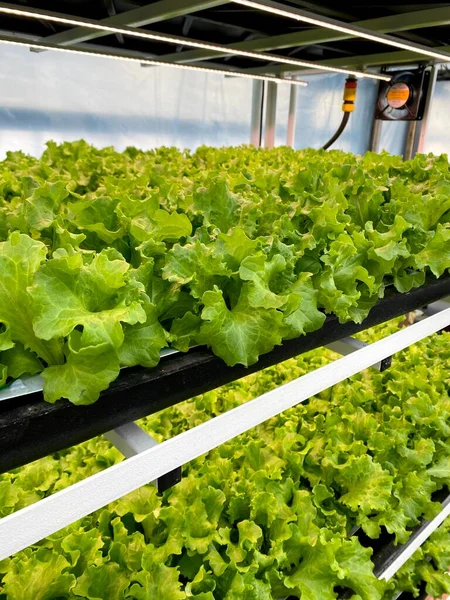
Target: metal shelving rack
[231, 39]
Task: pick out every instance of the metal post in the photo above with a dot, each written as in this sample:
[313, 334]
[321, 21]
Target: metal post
[428, 104]
[257, 108]
[291, 117]
[410, 144]
[271, 114]
[376, 135]
[417, 130]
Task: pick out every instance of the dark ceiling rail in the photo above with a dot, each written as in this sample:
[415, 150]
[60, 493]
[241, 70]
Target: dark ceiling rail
[30, 428]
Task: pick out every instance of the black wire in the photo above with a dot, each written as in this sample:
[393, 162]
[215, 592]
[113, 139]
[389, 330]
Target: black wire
[341, 128]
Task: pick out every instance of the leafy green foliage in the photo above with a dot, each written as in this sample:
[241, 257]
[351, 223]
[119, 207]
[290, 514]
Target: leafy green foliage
[269, 514]
[108, 257]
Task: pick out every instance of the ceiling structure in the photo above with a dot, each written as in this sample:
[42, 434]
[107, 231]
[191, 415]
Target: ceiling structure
[241, 29]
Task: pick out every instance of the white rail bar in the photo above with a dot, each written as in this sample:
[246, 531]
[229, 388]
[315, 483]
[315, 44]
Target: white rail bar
[35, 522]
[415, 542]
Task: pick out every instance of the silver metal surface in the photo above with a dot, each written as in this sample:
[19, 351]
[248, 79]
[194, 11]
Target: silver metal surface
[271, 114]
[22, 387]
[417, 129]
[290, 137]
[130, 439]
[347, 346]
[376, 135]
[256, 116]
[434, 308]
[410, 145]
[420, 141]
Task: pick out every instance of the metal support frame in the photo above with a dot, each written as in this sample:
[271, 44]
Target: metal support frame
[271, 114]
[37, 521]
[376, 135]
[348, 345]
[434, 308]
[415, 139]
[290, 136]
[130, 440]
[257, 113]
[366, 60]
[350, 29]
[423, 125]
[144, 15]
[407, 21]
[410, 142]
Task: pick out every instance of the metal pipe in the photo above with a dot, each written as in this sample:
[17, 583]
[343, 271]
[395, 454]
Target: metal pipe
[257, 108]
[290, 138]
[376, 135]
[410, 147]
[271, 114]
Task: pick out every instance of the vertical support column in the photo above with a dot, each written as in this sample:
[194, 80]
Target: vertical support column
[290, 138]
[376, 135]
[426, 116]
[271, 114]
[257, 109]
[417, 130]
[410, 144]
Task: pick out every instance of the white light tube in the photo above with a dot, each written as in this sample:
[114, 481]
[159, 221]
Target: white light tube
[358, 32]
[156, 63]
[170, 39]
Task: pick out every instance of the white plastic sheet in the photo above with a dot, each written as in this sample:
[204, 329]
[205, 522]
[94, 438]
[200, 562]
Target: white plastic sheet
[438, 132]
[319, 113]
[66, 97]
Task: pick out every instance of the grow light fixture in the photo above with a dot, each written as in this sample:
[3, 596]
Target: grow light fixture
[156, 63]
[354, 31]
[170, 39]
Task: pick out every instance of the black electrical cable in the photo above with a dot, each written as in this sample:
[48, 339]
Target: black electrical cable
[341, 128]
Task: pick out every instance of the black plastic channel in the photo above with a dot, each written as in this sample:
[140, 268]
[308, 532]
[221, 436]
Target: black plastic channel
[385, 556]
[385, 551]
[30, 428]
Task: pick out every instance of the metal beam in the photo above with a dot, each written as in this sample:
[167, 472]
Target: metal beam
[368, 60]
[423, 18]
[144, 15]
